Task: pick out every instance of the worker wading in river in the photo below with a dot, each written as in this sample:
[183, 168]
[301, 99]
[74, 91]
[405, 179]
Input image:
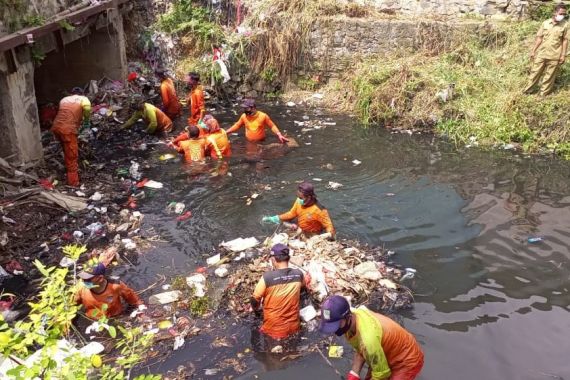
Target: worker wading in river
[196, 102]
[387, 348]
[73, 111]
[279, 292]
[255, 123]
[103, 297]
[311, 216]
[170, 104]
[549, 51]
[194, 149]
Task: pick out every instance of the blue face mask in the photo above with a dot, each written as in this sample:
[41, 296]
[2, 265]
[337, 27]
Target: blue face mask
[89, 284]
[301, 201]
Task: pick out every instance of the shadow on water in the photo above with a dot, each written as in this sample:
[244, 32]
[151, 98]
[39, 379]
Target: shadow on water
[488, 303]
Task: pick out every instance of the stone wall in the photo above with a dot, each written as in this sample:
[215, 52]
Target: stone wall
[335, 43]
[450, 8]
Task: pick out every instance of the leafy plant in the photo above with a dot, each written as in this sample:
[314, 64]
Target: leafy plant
[64, 24]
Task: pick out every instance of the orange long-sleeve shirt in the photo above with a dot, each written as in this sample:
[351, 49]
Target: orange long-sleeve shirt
[219, 144]
[172, 106]
[312, 219]
[280, 291]
[112, 296]
[194, 149]
[255, 126]
[196, 104]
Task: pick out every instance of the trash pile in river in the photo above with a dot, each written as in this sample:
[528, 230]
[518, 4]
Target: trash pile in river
[335, 267]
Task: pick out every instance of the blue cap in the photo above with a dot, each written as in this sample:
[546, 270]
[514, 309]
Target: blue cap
[333, 310]
[279, 250]
[95, 270]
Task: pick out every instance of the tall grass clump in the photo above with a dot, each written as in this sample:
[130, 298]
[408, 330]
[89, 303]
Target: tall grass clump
[487, 69]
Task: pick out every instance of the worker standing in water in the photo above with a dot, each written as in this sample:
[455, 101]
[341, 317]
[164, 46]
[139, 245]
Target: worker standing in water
[255, 123]
[170, 103]
[388, 349]
[196, 102]
[73, 111]
[217, 139]
[311, 216]
[279, 292]
[194, 148]
[156, 120]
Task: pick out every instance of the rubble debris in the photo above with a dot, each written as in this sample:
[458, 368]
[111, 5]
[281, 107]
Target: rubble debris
[335, 267]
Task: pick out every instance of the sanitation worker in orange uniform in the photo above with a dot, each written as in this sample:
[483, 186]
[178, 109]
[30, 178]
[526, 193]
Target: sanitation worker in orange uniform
[196, 103]
[279, 292]
[389, 350]
[73, 110]
[218, 144]
[194, 148]
[104, 297]
[170, 103]
[255, 123]
[311, 216]
[156, 120]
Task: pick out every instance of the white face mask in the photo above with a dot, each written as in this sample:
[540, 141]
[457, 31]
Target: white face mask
[559, 18]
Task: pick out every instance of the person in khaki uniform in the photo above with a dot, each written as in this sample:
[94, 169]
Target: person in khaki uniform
[549, 51]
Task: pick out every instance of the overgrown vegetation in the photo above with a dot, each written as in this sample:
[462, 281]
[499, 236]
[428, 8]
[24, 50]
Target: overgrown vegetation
[194, 24]
[281, 31]
[468, 88]
[50, 321]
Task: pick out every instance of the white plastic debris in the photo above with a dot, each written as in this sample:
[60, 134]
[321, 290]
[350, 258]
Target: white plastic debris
[5, 219]
[66, 262]
[410, 273]
[281, 238]
[134, 171]
[179, 207]
[93, 348]
[129, 244]
[291, 104]
[222, 272]
[356, 162]
[308, 313]
[96, 197]
[297, 244]
[165, 298]
[240, 244]
[210, 371]
[80, 193]
[213, 260]
[178, 342]
[334, 185]
[368, 270]
[387, 283]
[78, 235]
[153, 184]
[123, 227]
[198, 283]
[318, 96]
[277, 350]
[95, 228]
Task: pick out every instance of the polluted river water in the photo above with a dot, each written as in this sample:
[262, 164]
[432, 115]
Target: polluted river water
[489, 304]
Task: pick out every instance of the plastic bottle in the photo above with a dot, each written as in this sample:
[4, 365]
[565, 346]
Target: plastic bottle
[536, 239]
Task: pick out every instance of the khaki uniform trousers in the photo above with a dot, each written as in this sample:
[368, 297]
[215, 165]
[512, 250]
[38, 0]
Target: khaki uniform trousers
[545, 68]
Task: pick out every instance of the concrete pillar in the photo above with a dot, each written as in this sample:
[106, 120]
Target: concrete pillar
[20, 140]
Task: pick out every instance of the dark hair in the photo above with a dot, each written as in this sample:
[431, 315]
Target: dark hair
[193, 131]
[282, 257]
[161, 73]
[194, 76]
[560, 6]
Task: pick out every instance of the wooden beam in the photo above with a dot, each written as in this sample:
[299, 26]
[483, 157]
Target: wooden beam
[19, 38]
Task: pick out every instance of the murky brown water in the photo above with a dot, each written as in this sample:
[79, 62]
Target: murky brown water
[489, 305]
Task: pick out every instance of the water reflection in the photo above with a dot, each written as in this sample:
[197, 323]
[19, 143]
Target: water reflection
[489, 304]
